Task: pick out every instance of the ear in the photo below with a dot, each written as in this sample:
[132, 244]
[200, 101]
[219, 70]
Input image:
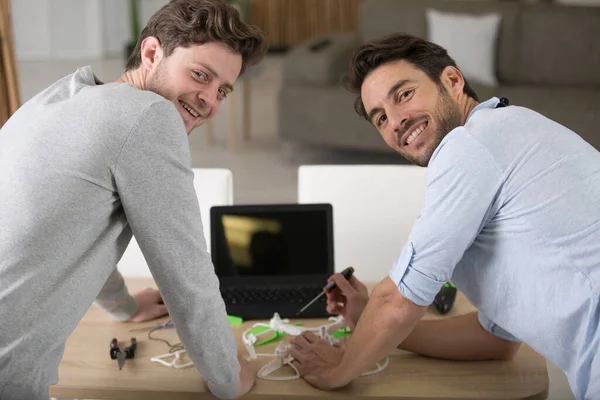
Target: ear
[453, 80]
[151, 52]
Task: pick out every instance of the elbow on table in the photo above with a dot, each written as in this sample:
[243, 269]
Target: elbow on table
[397, 308]
[506, 350]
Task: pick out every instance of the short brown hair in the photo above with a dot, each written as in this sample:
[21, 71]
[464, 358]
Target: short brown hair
[183, 23]
[426, 56]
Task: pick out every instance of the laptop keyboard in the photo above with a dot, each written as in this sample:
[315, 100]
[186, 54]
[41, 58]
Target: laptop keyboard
[296, 295]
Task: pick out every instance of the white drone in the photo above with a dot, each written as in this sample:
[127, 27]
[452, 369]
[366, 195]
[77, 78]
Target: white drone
[282, 351]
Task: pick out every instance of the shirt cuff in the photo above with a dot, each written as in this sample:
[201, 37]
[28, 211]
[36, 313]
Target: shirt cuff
[225, 390]
[494, 329]
[412, 283]
[120, 306]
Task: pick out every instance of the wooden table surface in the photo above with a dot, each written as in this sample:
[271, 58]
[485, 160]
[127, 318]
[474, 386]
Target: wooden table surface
[88, 372]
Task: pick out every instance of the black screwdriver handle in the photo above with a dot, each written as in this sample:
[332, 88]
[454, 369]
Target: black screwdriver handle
[346, 273]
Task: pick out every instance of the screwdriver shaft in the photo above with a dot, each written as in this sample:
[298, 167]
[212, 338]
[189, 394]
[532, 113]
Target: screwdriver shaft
[312, 301]
[346, 273]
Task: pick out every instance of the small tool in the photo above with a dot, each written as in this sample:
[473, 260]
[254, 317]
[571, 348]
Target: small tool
[128, 352]
[347, 273]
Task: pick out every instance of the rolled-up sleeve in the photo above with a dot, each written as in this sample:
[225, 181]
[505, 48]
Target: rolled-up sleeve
[463, 182]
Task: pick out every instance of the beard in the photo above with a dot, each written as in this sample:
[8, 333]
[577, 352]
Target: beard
[446, 117]
[157, 82]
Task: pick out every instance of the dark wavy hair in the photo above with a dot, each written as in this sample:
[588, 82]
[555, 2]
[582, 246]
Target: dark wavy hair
[183, 23]
[424, 55]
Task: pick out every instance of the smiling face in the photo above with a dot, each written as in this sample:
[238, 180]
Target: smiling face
[411, 112]
[196, 79]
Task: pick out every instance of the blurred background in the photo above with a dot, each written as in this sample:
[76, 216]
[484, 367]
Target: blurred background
[291, 109]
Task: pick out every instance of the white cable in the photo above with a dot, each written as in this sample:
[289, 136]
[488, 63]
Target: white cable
[379, 368]
[177, 360]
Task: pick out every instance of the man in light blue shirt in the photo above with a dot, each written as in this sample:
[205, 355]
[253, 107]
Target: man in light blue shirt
[511, 215]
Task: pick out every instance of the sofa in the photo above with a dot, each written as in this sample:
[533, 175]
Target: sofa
[546, 57]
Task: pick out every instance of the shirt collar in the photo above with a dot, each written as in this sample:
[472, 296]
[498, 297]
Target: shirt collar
[491, 103]
[88, 76]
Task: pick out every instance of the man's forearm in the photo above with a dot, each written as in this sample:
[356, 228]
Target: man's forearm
[457, 338]
[385, 322]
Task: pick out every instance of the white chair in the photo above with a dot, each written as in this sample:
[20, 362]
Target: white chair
[374, 208]
[214, 186]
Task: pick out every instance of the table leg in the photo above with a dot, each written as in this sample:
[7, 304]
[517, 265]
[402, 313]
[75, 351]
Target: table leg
[232, 136]
[209, 132]
[246, 109]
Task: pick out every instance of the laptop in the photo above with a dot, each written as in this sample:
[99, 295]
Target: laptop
[272, 258]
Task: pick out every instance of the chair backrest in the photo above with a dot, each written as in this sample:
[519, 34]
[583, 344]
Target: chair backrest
[214, 186]
[374, 208]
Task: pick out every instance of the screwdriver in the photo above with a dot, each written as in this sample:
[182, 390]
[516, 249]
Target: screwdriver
[347, 273]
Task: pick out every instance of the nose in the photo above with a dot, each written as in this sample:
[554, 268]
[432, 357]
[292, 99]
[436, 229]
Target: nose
[398, 121]
[208, 98]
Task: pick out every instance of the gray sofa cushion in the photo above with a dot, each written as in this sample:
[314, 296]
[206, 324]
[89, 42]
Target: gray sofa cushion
[322, 67]
[381, 17]
[553, 43]
[325, 116]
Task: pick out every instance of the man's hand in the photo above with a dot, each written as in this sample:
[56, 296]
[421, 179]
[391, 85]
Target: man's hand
[150, 306]
[248, 374]
[316, 360]
[348, 299]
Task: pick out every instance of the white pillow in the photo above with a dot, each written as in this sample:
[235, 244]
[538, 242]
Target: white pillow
[470, 40]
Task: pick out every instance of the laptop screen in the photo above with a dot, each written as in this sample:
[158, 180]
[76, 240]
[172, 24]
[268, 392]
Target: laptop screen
[278, 240]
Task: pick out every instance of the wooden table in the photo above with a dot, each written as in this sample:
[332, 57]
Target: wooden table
[88, 372]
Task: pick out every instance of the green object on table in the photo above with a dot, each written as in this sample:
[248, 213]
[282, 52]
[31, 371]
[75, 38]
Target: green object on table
[342, 332]
[260, 329]
[235, 320]
[449, 284]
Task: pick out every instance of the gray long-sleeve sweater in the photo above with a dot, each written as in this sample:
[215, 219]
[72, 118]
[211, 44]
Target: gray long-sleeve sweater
[84, 165]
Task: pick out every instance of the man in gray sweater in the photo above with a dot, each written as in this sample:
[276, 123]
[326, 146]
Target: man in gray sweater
[85, 165]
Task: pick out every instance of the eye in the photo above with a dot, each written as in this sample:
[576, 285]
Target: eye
[406, 94]
[223, 92]
[201, 75]
[382, 118]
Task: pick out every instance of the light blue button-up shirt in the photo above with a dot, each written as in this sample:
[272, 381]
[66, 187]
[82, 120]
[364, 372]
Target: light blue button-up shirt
[512, 216]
